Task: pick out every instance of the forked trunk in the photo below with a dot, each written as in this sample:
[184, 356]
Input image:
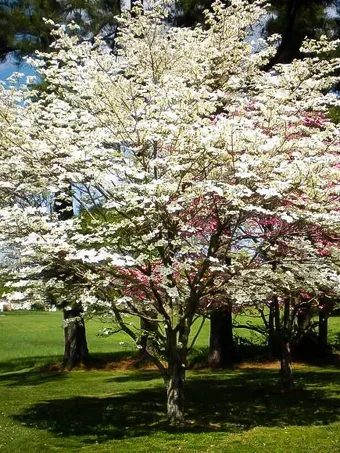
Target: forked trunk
[286, 367]
[175, 393]
[76, 350]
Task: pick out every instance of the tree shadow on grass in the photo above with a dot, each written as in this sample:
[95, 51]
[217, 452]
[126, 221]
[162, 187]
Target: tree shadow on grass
[232, 402]
[22, 363]
[254, 398]
[30, 378]
[99, 361]
[140, 376]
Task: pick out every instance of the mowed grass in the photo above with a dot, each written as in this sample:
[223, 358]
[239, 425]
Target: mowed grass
[35, 338]
[235, 410]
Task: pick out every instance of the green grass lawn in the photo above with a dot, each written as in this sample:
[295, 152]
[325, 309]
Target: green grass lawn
[236, 410]
[35, 338]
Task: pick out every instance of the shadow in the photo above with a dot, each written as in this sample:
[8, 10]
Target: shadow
[130, 415]
[259, 353]
[33, 377]
[24, 363]
[233, 401]
[254, 398]
[199, 357]
[128, 359]
[141, 376]
[99, 361]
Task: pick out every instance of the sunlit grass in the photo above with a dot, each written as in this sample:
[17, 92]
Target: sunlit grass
[35, 338]
[232, 411]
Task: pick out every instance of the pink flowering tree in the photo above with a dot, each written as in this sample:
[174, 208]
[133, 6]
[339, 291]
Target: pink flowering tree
[291, 253]
[172, 189]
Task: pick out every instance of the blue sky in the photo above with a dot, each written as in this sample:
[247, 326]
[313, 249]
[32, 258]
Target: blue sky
[9, 66]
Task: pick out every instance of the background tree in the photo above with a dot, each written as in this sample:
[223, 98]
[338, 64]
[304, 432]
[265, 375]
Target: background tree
[24, 30]
[76, 351]
[295, 20]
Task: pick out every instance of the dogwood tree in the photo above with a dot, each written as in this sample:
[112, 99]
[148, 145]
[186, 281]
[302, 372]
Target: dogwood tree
[175, 145]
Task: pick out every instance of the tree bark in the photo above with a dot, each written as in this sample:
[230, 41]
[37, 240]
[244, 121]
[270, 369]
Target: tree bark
[221, 338]
[304, 347]
[274, 329]
[289, 47]
[175, 392]
[76, 350]
[286, 357]
[177, 351]
[286, 367]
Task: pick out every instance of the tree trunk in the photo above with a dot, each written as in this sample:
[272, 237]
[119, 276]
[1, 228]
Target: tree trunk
[304, 348]
[175, 393]
[289, 47]
[274, 326]
[286, 367]
[174, 377]
[221, 338]
[76, 351]
[286, 357]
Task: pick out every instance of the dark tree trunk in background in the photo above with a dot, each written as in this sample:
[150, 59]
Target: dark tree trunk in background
[295, 20]
[286, 366]
[305, 347]
[274, 326]
[288, 49]
[304, 317]
[76, 351]
[221, 349]
[286, 356]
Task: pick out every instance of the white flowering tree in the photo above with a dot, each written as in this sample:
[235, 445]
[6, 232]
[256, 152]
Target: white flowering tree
[177, 145]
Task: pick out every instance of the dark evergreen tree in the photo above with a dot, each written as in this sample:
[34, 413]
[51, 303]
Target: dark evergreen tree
[295, 20]
[23, 29]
